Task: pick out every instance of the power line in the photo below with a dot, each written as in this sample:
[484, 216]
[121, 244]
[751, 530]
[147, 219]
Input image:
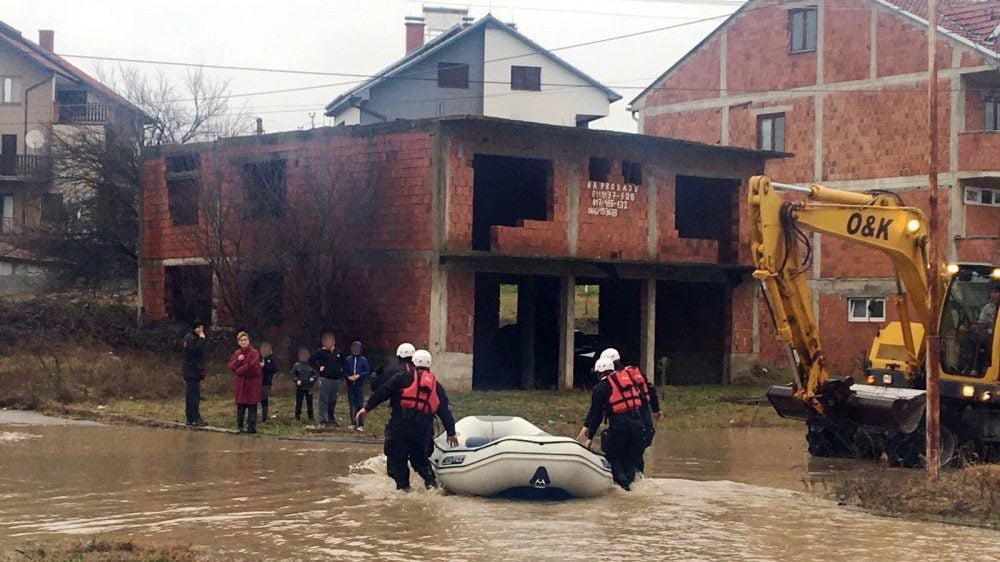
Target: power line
[492, 7]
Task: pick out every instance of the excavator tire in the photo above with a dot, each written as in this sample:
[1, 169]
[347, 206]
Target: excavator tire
[828, 442]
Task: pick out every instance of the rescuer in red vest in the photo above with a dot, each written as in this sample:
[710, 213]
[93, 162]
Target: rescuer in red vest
[416, 397]
[619, 400]
[651, 413]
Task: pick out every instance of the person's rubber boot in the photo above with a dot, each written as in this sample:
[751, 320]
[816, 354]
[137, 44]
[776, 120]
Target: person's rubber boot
[431, 484]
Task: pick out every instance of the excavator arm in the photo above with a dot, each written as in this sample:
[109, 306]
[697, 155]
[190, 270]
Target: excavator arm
[781, 250]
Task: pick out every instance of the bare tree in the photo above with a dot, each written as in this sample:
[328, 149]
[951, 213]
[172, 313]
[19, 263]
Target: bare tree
[92, 237]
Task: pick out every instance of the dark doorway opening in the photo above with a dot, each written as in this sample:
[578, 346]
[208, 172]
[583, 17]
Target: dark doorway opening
[188, 293]
[515, 333]
[691, 332]
[506, 190]
[704, 209]
[8, 155]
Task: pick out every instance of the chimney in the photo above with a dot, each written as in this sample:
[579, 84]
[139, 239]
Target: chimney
[47, 39]
[414, 33]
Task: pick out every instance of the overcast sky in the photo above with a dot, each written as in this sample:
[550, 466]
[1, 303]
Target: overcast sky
[356, 37]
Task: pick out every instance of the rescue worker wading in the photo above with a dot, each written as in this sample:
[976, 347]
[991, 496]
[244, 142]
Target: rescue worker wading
[416, 397]
[651, 413]
[620, 401]
[404, 354]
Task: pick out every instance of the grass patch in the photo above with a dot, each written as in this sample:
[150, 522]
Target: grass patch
[559, 413]
[97, 550]
[969, 494]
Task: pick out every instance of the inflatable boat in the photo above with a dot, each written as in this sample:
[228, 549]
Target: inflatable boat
[505, 455]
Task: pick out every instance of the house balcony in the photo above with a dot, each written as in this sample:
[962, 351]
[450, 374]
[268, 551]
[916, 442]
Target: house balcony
[25, 167]
[979, 151]
[83, 113]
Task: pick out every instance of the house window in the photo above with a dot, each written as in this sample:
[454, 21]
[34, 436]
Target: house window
[632, 172]
[992, 114]
[802, 30]
[982, 196]
[599, 169]
[183, 189]
[264, 187]
[771, 132]
[453, 75]
[53, 208]
[6, 213]
[10, 89]
[866, 309]
[526, 78]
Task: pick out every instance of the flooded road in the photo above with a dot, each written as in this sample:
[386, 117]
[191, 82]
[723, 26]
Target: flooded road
[712, 495]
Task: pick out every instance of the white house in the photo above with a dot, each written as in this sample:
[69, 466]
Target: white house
[484, 68]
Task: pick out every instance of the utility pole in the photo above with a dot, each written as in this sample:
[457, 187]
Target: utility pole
[933, 367]
[312, 119]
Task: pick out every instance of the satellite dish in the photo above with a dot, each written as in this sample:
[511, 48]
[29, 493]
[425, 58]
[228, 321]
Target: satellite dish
[35, 139]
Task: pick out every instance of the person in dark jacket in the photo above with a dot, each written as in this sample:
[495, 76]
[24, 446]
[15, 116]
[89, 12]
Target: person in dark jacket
[415, 397]
[193, 371]
[268, 368]
[304, 377]
[247, 375]
[356, 371]
[651, 413]
[329, 363]
[617, 399]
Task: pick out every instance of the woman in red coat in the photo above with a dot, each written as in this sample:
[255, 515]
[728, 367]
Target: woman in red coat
[245, 365]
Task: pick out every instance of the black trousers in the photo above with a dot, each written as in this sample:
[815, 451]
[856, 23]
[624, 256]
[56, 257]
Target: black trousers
[406, 441]
[250, 411]
[300, 395]
[623, 442]
[192, 400]
[265, 399]
[649, 430]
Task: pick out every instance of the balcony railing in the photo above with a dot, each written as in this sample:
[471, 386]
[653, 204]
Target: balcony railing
[25, 166]
[82, 112]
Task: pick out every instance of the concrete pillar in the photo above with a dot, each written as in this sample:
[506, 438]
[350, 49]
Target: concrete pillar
[567, 324]
[527, 325]
[647, 330]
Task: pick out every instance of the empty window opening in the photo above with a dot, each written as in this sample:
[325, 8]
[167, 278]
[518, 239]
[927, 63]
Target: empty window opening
[267, 304]
[188, 295]
[771, 132]
[508, 304]
[182, 200]
[182, 163]
[599, 169]
[802, 30]
[632, 172]
[453, 75]
[588, 308]
[703, 208]
[992, 111]
[866, 309]
[507, 190]
[264, 188]
[6, 213]
[526, 78]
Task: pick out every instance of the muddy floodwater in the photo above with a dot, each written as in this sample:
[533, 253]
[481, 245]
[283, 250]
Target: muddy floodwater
[710, 495]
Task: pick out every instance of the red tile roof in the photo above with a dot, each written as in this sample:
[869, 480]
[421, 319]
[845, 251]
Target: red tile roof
[974, 20]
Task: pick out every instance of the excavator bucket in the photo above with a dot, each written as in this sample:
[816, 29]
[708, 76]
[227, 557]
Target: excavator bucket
[872, 407]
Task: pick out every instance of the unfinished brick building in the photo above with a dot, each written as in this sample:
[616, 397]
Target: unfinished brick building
[842, 85]
[434, 215]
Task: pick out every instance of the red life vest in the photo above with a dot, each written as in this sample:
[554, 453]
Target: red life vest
[421, 395]
[638, 380]
[625, 394]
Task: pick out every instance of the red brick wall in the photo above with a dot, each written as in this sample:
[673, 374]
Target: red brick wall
[880, 133]
[981, 220]
[799, 125]
[461, 309]
[847, 41]
[153, 291]
[844, 342]
[765, 30]
[695, 78]
[701, 125]
[979, 151]
[385, 303]
[902, 46]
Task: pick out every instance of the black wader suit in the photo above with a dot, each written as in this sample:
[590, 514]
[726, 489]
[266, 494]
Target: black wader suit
[652, 407]
[193, 370]
[625, 438]
[409, 432]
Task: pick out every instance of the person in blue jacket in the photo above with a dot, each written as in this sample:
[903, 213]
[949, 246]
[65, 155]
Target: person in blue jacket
[356, 371]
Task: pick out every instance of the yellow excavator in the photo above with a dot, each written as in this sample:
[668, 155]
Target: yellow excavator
[884, 414]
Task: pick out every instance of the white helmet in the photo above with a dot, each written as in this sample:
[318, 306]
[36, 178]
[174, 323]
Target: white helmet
[612, 354]
[422, 358]
[604, 365]
[405, 350]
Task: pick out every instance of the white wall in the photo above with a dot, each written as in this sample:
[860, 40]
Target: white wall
[349, 116]
[556, 105]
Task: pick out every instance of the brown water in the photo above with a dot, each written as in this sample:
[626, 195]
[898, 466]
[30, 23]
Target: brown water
[711, 495]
